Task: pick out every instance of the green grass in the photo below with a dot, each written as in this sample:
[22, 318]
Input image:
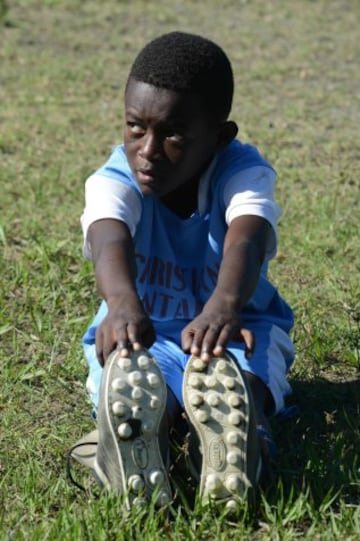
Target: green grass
[63, 67]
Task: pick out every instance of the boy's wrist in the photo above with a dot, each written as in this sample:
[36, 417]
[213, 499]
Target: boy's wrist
[122, 298]
[223, 298]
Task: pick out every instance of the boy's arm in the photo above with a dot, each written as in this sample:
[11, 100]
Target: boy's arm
[220, 319]
[126, 324]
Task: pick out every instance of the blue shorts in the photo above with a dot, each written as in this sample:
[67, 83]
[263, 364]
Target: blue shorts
[272, 358]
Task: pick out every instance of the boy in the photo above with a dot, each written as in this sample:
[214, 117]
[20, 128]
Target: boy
[181, 224]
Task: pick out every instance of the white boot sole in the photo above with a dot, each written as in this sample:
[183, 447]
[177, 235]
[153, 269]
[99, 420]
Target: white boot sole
[131, 408]
[218, 405]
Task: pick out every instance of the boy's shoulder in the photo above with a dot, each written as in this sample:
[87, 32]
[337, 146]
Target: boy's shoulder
[238, 156]
[117, 166]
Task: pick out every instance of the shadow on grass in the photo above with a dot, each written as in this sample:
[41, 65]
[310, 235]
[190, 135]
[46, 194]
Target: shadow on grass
[319, 450]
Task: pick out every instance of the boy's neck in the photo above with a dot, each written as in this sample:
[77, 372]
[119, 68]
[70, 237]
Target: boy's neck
[184, 200]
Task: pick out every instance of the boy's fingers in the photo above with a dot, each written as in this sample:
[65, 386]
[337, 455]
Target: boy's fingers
[198, 343]
[100, 356]
[104, 346]
[248, 338]
[99, 347]
[186, 343]
[123, 349]
[141, 335]
[218, 350]
[133, 335]
[225, 334]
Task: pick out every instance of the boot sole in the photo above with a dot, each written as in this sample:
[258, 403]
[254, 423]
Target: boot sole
[218, 404]
[131, 408]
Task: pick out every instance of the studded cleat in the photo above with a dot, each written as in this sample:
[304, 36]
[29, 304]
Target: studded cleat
[131, 407]
[220, 409]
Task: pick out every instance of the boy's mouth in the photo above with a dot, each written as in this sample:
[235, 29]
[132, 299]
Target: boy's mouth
[146, 176]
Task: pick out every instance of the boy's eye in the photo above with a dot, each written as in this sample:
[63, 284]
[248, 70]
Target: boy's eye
[173, 136]
[135, 127]
[176, 138]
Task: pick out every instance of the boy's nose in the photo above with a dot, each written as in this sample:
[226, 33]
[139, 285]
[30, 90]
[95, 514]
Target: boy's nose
[150, 148]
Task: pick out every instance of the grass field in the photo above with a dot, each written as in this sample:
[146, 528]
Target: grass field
[63, 64]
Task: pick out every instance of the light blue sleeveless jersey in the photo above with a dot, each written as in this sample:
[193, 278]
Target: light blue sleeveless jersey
[177, 266]
[178, 259]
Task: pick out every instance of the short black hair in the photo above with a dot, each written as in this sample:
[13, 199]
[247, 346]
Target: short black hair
[188, 63]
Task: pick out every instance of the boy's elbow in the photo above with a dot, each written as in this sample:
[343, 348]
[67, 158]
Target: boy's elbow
[108, 235]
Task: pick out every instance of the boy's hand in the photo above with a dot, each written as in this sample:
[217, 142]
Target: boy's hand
[220, 321]
[208, 334]
[126, 325]
[124, 328]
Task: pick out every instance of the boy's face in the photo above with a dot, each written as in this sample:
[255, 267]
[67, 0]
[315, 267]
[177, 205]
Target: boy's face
[169, 138]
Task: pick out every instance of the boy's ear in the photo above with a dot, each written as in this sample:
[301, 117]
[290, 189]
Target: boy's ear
[227, 132]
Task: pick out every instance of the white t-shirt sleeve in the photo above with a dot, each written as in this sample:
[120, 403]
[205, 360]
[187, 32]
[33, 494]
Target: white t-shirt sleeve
[108, 198]
[251, 192]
